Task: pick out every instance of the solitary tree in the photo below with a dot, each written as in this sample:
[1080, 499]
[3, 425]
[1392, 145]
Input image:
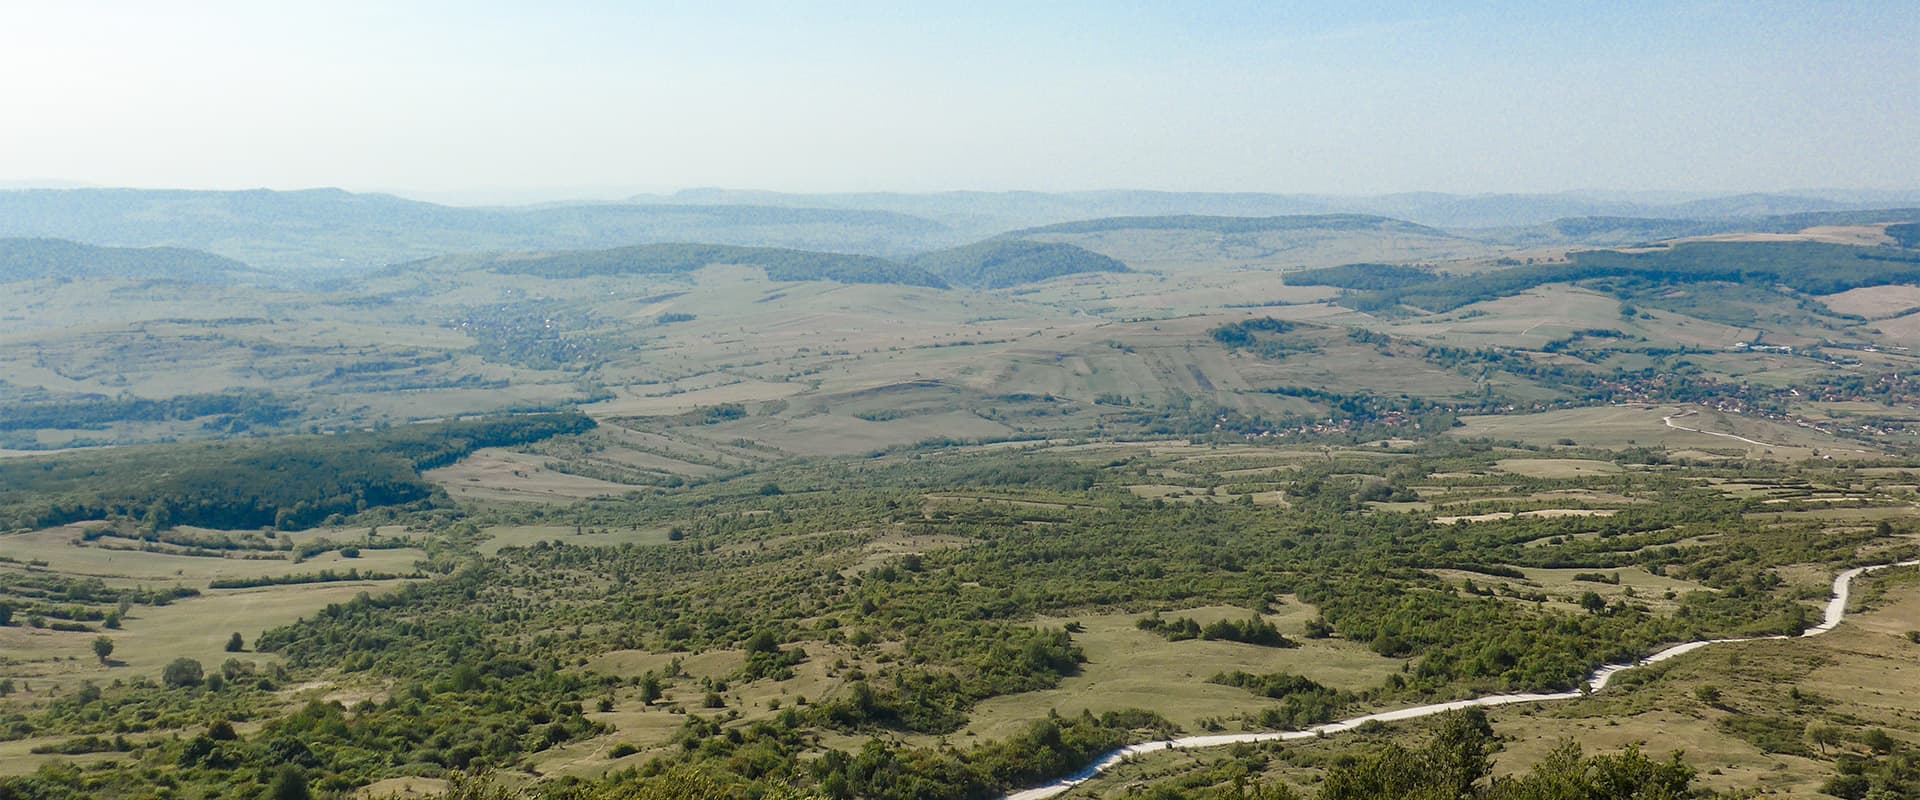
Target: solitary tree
[183, 672]
[235, 644]
[1823, 735]
[102, 647]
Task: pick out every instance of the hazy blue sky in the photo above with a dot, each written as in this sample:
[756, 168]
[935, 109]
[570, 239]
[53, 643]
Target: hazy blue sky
[1283, 97]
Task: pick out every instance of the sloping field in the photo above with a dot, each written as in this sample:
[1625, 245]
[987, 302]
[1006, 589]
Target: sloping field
[1875, 302]
[1663, 426]
[498, 474]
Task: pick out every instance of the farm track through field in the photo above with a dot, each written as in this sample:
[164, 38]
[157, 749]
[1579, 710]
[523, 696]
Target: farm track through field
[1669, 420]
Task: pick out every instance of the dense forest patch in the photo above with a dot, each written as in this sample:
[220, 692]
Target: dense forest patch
[780, 264]
[1804, 267]
[1365, 277]
[1906, 233]
[244, 409]
[1000, 263]
[292, 481]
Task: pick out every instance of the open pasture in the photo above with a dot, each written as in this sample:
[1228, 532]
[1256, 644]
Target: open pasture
[1131, 668]
[503, 536]
[1875, 302]
[1672, 427]
[64, 550]
[502, 475]
[1557, 467]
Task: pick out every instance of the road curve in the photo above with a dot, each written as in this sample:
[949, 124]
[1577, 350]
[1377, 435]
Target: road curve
[1836, 611]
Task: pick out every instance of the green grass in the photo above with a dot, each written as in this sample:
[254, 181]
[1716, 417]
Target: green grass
[584, 536]
[1626, 426]
[1130, 668]
[59, 548]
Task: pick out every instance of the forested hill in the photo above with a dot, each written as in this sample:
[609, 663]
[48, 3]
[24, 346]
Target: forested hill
[1363, 277]
[1805, 267]
[993, 264]
[1235, 225]
[1000, 263]
[288, 481]
[1622, 230]
[35, 259]
[779, 264]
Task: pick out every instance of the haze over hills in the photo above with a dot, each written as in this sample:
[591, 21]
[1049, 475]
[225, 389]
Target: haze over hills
[37, 259]
[993, 264]
[329, 229]
[1340, 448]
[1234, 225]
[1011, 210]
[334, 231]
[1267, 472]
[1001, 263]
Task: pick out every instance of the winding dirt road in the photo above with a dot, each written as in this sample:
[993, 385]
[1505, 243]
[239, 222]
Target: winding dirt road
[1836, 611]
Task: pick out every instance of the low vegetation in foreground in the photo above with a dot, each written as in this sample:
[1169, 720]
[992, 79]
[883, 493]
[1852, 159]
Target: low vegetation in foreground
[858, 627]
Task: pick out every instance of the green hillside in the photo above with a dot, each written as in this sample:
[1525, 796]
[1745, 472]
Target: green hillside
[780, 264]
[35, 259]
[1613, 230]
[1000, 263]
[291, 480]
[985, 265]
[1366, 277]
[1806, 267]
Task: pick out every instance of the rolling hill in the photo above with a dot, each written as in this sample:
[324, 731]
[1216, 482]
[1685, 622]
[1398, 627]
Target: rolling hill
[35, 259]
[1804, 267]
[780, 264]
[1183, 244]
[993, 264]
[1001, 263]
[1235, 225]
[1601, 230]
[338, 230]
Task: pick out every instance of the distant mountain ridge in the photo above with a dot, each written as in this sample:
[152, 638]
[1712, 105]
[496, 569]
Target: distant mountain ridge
[973, 212]
[1234, 225]
[330, 229]
[24, 259]
[334, 232]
